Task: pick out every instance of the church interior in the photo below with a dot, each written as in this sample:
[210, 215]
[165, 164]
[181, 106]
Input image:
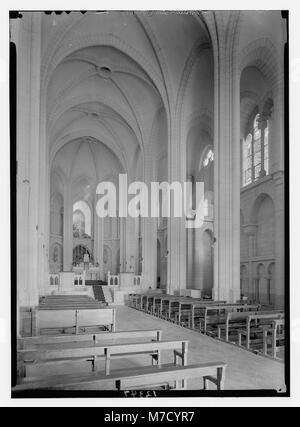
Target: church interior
[120, 303]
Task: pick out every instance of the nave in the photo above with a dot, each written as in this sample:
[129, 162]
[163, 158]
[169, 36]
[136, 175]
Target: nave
[150, 158]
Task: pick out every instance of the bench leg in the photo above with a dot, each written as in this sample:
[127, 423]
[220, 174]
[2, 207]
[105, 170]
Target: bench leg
[265, 343]
[218, 381]
[107, 361]
[205, 383]
[240, 339]
[156, 358]
[220, 378]
[273, 344]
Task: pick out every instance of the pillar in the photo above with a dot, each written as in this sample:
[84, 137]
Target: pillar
[251, 230]
[26, 33]
[68, 230]
[224, 29]
[280, 283]
[177, 248]
[98, 241]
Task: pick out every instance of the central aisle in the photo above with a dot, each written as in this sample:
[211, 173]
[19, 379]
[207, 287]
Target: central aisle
[245, 370]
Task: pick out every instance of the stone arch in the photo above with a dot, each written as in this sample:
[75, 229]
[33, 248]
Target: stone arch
[255, 205]
[263, 215]
[263, 291]
[262, 54]
[84, 208]
[78, 253]
[72, 45]
[94, 133]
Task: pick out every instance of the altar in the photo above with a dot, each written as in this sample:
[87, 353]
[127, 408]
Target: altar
[90, 271]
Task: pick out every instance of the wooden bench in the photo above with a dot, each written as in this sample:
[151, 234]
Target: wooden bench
[238, 321]
[76, 320]
[274, 335]
[50, 354]
[138, 378]
[217, 314]
[255, 324]
[171, 376]
[170, 305]
[39, 341]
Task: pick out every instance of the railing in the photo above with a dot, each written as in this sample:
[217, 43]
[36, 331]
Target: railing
[54, 279]
[91, 273]
[79, 279]
[113, 279]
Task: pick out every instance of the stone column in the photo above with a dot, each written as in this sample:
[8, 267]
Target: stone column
[98, 242]
[68, 230]
[250, 230]
[149, 228]
[149, 251]
[122, 244]
[277, 133]
[278, 297]
[263, 125]
[26, 33]
[176, 277]
[130, 244]
[223, 27]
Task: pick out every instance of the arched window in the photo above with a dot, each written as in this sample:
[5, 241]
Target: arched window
[81, 219]
[208, 158]
[256, 151]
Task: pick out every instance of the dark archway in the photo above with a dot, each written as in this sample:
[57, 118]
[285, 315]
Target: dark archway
[78, 253]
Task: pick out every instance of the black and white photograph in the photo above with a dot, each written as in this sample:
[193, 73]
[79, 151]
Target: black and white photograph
[149, 205]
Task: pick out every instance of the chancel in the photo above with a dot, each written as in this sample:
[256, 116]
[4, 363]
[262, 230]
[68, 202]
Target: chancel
[127, 302]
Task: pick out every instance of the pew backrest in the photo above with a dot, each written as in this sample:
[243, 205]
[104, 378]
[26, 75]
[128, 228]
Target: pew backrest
[49, 319]
[102, 350]
[32, 342]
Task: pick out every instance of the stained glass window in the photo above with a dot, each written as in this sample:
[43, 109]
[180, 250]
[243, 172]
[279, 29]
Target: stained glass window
[256, 156]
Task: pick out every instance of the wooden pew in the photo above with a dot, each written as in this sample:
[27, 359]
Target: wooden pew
[53, 354]
[170, 304]
[197, 309]
[274, 335]
[238, 321]
[255, 322]
[172, 376]
[216, 314]
[138, 378]
[74, 319]
[42, 340]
